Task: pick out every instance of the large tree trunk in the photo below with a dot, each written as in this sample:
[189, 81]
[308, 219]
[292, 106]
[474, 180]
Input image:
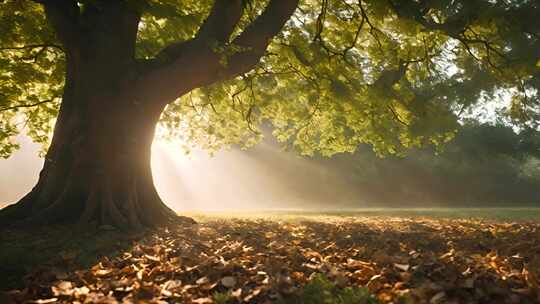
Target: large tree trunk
[97, 170]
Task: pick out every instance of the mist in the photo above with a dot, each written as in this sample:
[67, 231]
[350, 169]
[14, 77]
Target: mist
[486, 165]
[264, 177]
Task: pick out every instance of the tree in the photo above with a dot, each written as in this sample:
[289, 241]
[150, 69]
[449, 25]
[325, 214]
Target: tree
[484, 165]
[327, 74]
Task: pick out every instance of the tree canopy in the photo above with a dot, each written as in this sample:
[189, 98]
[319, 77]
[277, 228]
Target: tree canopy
[393, 74]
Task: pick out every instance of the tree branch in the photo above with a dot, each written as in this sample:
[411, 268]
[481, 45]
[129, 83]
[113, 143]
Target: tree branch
[26, 105]
[454, 28]
[197, 64]
[32, 46]
[257, 36]
[216, 29]
[64, 18]
[221, 22]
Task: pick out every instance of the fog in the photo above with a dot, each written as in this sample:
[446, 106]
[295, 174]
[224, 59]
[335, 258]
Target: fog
[19, 173]
[484, 166]
[264, 177]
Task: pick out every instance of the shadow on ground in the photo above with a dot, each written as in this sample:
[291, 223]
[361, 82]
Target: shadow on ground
[397, 260]
[29, 254]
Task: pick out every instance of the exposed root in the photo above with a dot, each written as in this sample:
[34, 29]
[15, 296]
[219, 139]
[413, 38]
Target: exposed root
[132, 207]
[100, 209]
[57, 211]
[185, 220]
[130, 204]
[15, 212]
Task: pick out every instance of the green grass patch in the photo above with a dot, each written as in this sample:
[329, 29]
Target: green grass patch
[495, 214]
[320, 290]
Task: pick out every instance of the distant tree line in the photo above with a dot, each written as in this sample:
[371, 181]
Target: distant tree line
[486, 164]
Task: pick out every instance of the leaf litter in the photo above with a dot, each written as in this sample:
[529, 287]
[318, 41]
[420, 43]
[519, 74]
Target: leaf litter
[398, 260]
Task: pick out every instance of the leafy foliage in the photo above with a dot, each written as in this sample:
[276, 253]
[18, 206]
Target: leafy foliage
[484, 165]
[31, 74]
[394, 84]
[394, 75]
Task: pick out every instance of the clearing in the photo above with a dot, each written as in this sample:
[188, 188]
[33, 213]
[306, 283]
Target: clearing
[361, 256]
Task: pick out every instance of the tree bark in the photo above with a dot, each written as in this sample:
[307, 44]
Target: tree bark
[97, 170]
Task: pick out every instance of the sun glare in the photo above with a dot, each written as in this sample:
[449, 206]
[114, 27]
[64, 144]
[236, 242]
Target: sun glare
[261, 178]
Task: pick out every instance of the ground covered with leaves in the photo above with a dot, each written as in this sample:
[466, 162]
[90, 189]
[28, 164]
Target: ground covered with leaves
[316, 260]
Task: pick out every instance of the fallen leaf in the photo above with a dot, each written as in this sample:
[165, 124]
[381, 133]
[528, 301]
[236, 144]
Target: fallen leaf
[228, 281]
[202, 280]
[402, 267]
[203, 300]
[438, 298]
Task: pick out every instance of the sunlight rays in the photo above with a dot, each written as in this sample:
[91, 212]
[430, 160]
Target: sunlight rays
[261, 178]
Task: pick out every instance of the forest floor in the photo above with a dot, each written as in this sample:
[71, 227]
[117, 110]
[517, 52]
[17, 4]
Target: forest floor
[367, 256]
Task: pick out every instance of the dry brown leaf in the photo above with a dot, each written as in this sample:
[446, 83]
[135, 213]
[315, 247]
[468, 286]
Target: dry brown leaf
[438, 298]
[205, 300]
[402, 267]
[430, 261]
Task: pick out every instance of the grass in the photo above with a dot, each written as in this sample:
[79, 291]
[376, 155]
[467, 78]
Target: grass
[494, 214]
[321, 290]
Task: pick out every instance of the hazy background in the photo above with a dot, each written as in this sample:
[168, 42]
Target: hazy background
[263, 177]
[486, 165]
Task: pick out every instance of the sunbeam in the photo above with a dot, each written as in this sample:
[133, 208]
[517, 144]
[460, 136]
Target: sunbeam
[261, 178]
